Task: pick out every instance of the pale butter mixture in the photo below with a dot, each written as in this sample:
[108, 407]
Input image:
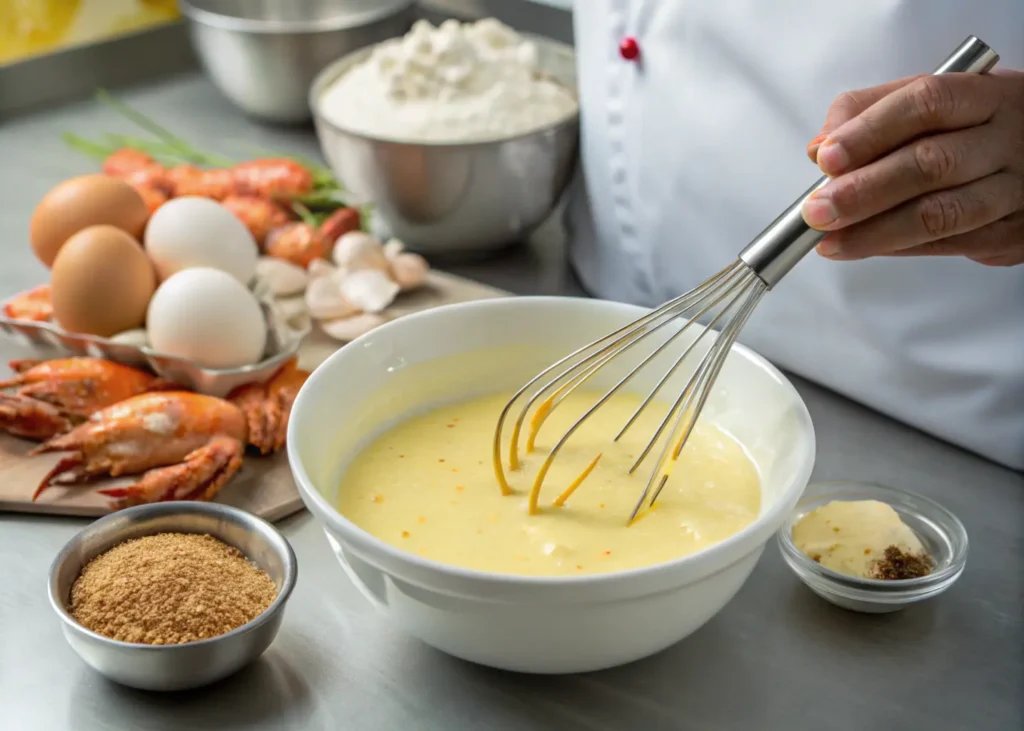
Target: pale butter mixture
[427, 486]
[458, 82]
[850, 537]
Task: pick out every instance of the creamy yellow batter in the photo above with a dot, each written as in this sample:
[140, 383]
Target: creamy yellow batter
[427, 486]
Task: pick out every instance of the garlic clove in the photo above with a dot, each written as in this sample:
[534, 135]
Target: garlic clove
[283, 277]
[292, 309]
[409, 271]
[350, 328]
[393, 248]
[320, 268]
[371, 290]
[325, 301]
[357, 251]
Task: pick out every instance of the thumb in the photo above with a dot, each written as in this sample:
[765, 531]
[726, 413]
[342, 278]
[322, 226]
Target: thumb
[848, 105]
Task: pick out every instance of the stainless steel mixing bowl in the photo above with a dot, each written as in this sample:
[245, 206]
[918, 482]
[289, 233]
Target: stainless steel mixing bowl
[455, 198]
[194, 664]
[263, 54]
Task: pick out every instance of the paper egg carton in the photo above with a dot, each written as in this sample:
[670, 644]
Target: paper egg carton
[284, 336]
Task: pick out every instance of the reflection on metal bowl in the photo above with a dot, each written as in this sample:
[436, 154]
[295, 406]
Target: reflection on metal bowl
[264, 55]
[456, 198]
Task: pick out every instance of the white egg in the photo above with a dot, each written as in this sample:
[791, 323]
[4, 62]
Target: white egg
[207, 316]
[192, 232]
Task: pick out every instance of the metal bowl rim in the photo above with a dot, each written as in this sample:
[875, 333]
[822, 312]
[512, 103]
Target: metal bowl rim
[284, 549]
[212, 19]
[335, 69]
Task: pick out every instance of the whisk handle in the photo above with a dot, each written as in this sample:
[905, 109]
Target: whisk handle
[788, 239]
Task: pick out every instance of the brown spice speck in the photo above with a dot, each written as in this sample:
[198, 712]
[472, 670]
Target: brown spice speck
[377, 498]
[835, 529]
[421, 519]
[169, 589]
[459, 488]
[405, 534]
[898, 564]
[441, 460]
[451, 426]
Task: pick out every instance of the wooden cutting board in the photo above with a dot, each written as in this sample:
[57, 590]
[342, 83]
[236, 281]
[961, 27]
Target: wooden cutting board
[264, 485]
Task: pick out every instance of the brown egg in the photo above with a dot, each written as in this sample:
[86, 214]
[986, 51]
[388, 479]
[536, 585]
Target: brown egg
[102, 282]
[81, 202]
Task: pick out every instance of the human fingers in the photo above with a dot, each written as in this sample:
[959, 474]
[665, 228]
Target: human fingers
[848, 105]
[930, 104]
[929, 218]
[998, 244]
[923, 166]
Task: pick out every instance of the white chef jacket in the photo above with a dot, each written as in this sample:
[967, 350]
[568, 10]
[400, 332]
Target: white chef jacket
[688, 153]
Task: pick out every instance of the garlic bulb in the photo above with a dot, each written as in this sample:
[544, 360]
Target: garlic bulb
[371, 290]
[357, 251]
[350, 328]
[283, 277]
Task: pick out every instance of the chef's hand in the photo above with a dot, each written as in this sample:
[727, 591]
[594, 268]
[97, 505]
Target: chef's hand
[930, 165]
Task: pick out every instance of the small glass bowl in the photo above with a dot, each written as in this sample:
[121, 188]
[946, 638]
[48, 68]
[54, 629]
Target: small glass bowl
[941, 532]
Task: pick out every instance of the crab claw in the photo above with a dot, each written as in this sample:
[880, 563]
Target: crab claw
[71, 466]
[268, 406]
[20, 365]
[31, 419]
[81, 386]
[200, 476]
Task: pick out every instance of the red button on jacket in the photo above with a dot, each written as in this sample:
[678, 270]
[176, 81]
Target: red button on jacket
[629, 49]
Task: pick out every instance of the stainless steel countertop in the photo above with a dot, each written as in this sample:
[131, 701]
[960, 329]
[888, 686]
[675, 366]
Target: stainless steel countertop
[776, 658]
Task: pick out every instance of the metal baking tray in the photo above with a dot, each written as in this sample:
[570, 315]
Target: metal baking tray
[284, 336]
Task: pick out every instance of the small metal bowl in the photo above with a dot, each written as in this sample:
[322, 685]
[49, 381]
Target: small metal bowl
[194, 664]
[264, 55]
[455, 198]
[941, 532]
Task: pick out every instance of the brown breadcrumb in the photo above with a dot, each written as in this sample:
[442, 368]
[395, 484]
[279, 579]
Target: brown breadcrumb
[168, 589]
[899, 564]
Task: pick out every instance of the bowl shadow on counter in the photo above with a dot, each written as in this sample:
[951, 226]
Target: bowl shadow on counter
[269, 689]
[691, 684]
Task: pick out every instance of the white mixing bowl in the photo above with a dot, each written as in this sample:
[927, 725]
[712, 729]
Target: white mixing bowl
[521, 623]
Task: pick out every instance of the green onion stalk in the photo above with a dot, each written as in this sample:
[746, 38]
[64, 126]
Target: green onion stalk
[169, 150]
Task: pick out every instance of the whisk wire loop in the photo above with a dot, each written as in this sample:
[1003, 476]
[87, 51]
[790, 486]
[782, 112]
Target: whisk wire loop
[738, 288]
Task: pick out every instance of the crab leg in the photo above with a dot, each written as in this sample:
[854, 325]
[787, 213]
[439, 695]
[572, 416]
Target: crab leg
[200, 476]
[20, 365]
[31, 419]
[268, 406]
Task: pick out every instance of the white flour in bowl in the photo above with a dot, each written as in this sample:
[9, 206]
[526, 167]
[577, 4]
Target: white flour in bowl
[454, 83]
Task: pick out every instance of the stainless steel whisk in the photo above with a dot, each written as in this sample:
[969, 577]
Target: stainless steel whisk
[733, 293]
